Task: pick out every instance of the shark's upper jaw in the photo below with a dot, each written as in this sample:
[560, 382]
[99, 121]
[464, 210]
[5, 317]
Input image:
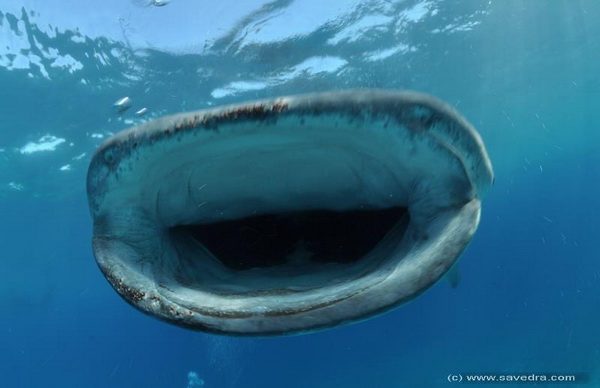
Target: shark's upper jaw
[287, 215]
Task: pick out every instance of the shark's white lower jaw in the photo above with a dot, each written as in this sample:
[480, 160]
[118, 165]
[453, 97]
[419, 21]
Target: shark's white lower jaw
[187, 287]
[324, 216]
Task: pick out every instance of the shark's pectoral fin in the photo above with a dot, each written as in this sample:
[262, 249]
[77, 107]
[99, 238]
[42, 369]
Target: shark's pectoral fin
[453, 275]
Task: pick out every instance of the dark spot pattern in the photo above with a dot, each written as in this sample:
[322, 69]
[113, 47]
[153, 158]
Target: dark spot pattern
[133, 295]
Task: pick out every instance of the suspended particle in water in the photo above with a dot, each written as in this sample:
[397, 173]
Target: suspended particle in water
[155, 3]
[194, 381]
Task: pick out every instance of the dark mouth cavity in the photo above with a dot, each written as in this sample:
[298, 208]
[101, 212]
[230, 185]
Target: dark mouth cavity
[319, 236]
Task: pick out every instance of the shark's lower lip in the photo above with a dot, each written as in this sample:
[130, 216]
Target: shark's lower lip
[288, 215]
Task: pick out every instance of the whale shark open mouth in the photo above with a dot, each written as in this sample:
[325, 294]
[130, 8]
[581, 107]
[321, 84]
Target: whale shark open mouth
[288, 215]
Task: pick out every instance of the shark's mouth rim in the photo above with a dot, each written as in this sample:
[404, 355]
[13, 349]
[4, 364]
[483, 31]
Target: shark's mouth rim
[440, 227]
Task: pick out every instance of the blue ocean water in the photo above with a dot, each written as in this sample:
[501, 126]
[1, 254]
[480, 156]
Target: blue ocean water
[524, 73]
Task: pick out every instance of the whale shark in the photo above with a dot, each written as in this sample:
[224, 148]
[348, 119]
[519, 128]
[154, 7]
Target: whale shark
[287, 215]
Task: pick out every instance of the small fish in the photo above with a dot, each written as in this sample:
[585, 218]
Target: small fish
[141, 112]
[122, 104]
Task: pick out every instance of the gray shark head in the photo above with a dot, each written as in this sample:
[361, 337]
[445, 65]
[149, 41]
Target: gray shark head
[288, 215]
